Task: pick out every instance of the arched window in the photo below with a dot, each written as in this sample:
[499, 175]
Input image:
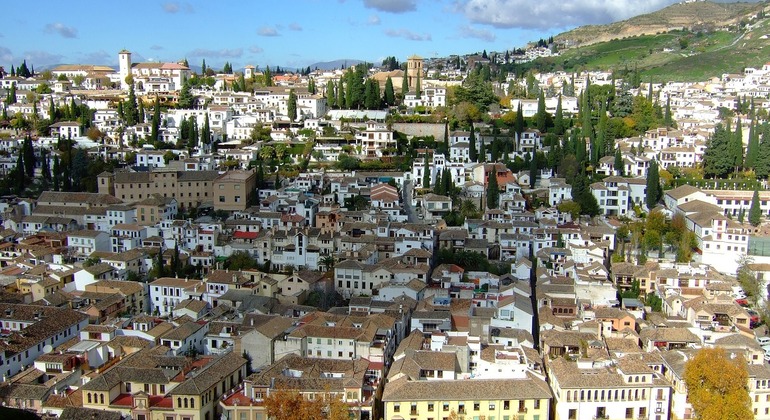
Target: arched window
[569, 394]
[179, 402]
[101, 398]
[89, 398]
[185, 403]
[192, 402]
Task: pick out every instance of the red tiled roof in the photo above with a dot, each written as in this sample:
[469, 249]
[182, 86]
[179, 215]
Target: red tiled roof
[245, 235]
[161, 401]
[123, 400]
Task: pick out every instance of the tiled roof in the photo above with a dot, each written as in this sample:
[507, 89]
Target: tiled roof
[467, 390]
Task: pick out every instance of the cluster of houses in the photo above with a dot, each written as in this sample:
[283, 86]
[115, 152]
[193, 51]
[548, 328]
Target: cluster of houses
[417, 337]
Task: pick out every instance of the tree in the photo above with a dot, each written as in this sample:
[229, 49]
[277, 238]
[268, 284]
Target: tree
[426, 175]
[155, 132]
[716, 385]
[755, 212]
[558, 120]
[390, 96]
[717, 161]
[654, 191]
[519, 124]
[472, 153]
[619, 165]
[747, 278]
[29, 157]
[331, 98]
[404, 85]
[493, 190]
[340, 94]
[56, 173]
[186, 99]
[736, 146]
[541, 117]
[752, 151]
[292, 105]
[130, 109]
[240, 260]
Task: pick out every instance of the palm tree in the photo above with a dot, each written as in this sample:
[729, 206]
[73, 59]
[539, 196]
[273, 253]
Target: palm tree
[468, 208]
[328, 262]
[266, 152]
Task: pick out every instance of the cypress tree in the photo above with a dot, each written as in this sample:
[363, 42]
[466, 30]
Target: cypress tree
[417, 87]
[29, 157]
[331, 98]
[653, 185]
[482, 152]
[426, 175]
[533, 171]
[292, 106]
[390, 95]
[619, 166]
[737, 146]
[558, 120]
[155, 132]
[541, 118]
[140, 114]
[203, 67]
[519, 123]
[340, 94]
[51, 109]
[472, 153]
[755, 212]
[404, 86]
[493, 191]
[668, 121]
[446, 179]
[56, 172]
[753, 148]
[439, 185]
[19, 171]
[446, 139]
[206, 132]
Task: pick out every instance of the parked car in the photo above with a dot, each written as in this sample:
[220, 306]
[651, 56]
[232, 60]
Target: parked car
[743, 302]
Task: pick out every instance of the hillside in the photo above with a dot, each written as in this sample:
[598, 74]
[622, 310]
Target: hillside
[698, 15]
[676, 54]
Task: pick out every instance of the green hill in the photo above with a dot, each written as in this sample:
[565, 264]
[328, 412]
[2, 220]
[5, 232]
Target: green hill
[678, 53]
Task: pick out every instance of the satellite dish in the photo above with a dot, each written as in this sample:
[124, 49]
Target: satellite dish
[47, 348]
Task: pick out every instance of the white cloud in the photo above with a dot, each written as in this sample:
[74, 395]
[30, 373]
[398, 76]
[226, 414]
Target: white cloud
[176, 7]
[295, 26]
[42, 58]
[373, 20]
[61, 29]
[407, 34]
[267, 31]
[392, 6]
[483, 34]
[255, 49]
[222, 53]
[553, 14]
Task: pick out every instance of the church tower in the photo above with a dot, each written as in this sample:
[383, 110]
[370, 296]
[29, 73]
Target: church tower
[413, 68]
[124, 66]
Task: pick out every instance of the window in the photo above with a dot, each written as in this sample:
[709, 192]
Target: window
[430, 406]
[572, 414]
[476, 406]
[396, 408]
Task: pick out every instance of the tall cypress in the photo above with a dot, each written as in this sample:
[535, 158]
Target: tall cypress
[558, 120]
[493, 191]
[755, 212]
[340, 94]
[653, 185]
[154, 135]
[753, 149]
[56, 172]
[472, 153]
[390, 95]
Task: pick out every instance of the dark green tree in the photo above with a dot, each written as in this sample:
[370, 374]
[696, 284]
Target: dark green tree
[155, 130]
[755, 212]
[718, 159]
[752, 151]
[417, 87]
[438, 187]
[292, 105]
[762, 165]
[472, 152]
[331, 97]
[29, 157]
[736, 146]
[493, 190]
[186, 99]
[206, 132]
[19, 172]
[654, 190]
[56, 173]
[341, 94]
[558, 120]
[533, 171]
[404, 86]
[426, 175]
[390, 95]
[619, 165]
[130, 109]
[541, 117]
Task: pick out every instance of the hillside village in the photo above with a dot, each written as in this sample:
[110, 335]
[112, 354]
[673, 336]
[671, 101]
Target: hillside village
[436, 276]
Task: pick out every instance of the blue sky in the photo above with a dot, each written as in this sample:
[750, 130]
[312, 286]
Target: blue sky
[289, 33]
